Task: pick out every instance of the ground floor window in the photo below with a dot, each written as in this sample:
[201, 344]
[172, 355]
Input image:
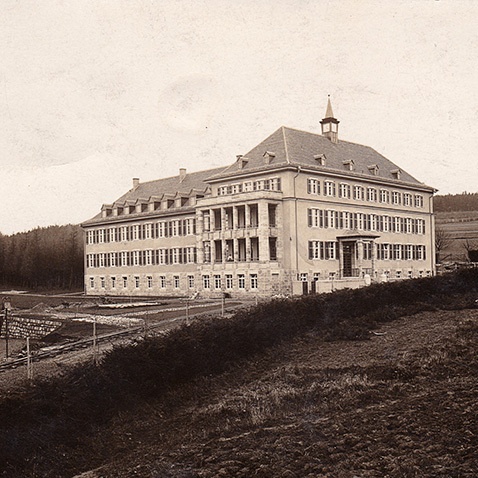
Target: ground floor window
[92, 282]
[162, 282]
[150, 282]
[136, 282]
[176, 282]
[191, 282]
[253, 281]
[241, 281]
[125, 282]
[103, 282]
[217, 281]
[113, 282]
[206, 282]
[229, 281]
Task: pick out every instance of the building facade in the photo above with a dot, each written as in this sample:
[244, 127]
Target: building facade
[301, 212]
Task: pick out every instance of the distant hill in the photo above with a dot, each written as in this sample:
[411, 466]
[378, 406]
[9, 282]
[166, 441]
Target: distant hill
[456, 202]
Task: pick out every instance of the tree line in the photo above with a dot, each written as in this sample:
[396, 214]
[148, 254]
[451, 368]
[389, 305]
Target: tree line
[46, 257]
[456, 202]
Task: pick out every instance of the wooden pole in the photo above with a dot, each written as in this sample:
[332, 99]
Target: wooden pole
[95, 355]
[6, 333]
[29, 361]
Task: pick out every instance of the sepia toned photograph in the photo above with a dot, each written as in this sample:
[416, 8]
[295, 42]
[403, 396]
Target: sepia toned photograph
[238, 239]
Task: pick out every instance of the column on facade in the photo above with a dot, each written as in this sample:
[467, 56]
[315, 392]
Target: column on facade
[248, 249]
[200, 222]
[360, 255]
[235, 216]
[341, 258]
[212, 248]
[263, 230]
[223, 219]
[212, 220]
[374, 257]
[236, 250]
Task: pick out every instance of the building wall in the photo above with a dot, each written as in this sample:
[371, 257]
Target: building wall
[264, 275]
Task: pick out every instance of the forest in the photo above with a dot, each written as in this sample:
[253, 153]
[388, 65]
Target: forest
[456, 202]
[48, 257]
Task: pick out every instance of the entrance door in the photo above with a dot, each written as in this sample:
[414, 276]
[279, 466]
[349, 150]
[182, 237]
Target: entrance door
[305, 288]
[313, 287]
[348, 252]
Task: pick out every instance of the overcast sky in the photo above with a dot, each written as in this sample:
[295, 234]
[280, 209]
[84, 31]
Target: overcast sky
[94, 93]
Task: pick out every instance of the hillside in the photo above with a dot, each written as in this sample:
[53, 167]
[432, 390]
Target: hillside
[400, 405]
[354, 383]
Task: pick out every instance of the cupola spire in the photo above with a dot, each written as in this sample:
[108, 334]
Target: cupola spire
[330, 125]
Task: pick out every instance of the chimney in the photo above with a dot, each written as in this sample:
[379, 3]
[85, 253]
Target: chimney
[135, 183]
[182, 174]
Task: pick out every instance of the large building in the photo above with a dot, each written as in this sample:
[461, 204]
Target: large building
[301, 212]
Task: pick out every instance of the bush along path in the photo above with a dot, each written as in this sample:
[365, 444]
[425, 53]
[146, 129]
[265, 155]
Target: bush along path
[49, 419]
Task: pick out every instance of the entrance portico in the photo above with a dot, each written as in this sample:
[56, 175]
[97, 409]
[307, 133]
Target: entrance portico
[357, 254]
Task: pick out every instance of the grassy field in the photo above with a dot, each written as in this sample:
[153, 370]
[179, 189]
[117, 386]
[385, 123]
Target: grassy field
[376, 382]
[461, 228]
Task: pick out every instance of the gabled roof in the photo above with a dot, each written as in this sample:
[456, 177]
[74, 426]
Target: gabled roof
[171, 185]
[162, 188]
[296, 147]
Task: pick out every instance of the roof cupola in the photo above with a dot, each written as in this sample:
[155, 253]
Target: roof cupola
[330, 125]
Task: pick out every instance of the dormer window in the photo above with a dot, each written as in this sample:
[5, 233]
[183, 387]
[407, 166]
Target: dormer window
[349, 164]
[396, 173]
[320, 158]
[268, 156]
[373, 168]
[242, 161]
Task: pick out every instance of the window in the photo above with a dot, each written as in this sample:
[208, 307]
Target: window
[371, 195]
[229, 281]
[125, 282]
[329, 188]
[367, 251]
[191, 282]
[273, 248]
[272, 213]
[150, 282]
[313, 186]
[359, 193]
[323, 250]
[384, 196]
[113, 282]
[92, 282]
[162, 282]
[418, 200]
[407, 199]
[396, 197]
[136, 282]
[206, 282]
[241, 278]
[396, 254]
[344, 191]
[253, 281]
[303, 277]
[217, 281]
[102, 282]
[176, 282]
